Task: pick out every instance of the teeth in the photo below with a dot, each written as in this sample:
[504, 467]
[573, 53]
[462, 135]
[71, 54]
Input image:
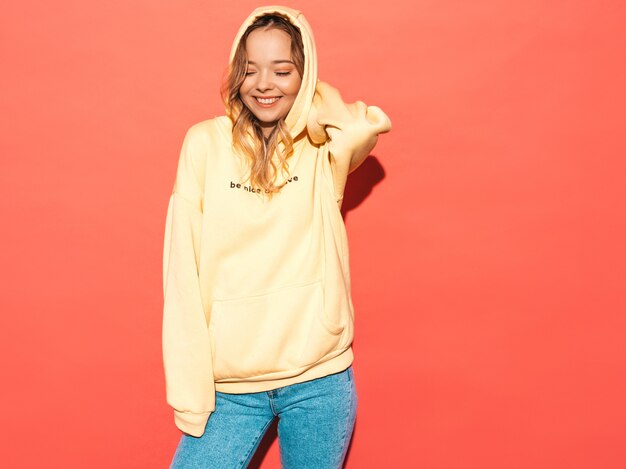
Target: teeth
[267, 100]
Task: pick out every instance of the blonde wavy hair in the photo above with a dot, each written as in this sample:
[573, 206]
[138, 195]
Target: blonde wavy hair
[248, 137]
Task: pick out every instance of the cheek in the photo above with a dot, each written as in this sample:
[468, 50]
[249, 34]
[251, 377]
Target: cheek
[294, 87]
[245, 97]
[245, 87]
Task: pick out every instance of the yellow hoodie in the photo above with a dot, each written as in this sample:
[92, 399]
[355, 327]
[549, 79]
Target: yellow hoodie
[257, 290]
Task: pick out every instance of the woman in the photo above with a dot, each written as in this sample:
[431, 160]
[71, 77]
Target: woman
[258, 318]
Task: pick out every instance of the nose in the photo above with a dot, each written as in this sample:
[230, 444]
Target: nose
[265, 82]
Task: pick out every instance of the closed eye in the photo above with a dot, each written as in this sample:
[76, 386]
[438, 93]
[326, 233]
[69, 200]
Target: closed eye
[280, 74]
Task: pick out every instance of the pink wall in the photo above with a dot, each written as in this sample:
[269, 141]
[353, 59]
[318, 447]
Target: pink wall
[486, 230]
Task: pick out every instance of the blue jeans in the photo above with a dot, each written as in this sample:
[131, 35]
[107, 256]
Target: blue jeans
[315, 423]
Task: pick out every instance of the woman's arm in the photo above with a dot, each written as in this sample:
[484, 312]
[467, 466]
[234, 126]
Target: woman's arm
[351, 130]
[186, 345]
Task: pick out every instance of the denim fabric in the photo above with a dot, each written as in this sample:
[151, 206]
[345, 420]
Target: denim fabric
[315, 423]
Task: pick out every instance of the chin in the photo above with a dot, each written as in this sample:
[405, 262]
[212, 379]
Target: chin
[269, 120]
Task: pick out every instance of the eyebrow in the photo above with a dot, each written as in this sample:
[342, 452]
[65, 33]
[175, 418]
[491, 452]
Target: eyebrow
[274, 62]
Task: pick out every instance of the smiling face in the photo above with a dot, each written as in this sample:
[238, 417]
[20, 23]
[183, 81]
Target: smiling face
[272, 81]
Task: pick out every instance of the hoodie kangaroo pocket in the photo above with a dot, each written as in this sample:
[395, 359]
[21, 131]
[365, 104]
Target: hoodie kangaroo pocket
[270, 333]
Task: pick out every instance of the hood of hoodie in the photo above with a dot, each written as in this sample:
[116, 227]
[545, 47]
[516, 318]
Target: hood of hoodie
[296, 119]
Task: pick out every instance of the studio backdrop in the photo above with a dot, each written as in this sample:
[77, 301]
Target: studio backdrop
[486, 229]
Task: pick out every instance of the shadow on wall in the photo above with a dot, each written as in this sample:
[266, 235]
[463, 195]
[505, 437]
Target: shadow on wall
[361, 183]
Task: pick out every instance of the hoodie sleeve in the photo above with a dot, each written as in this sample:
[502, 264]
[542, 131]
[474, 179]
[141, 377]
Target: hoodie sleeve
[187, 355]
[351, 131]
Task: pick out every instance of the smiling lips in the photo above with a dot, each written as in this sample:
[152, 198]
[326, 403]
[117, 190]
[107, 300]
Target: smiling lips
[267, 102]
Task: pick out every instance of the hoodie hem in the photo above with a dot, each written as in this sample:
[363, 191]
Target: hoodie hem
[334, 365]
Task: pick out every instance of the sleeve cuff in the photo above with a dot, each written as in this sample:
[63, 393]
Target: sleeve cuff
[193, 424]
